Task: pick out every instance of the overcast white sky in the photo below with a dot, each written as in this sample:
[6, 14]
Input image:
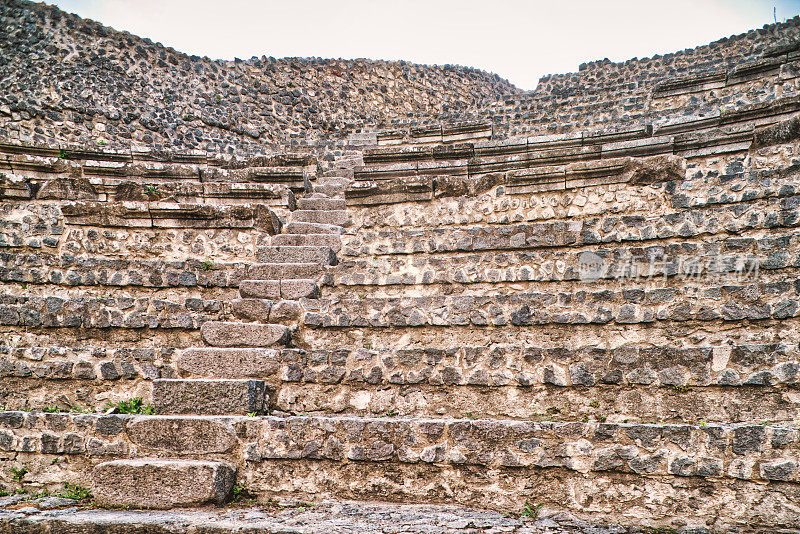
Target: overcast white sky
[518, 39]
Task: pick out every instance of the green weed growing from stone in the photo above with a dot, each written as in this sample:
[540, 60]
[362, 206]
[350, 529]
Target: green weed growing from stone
[135, 406]
[62, 154]
[75, 491]
[531, 510]
[242, 494]
[207, 265]
[18, 474]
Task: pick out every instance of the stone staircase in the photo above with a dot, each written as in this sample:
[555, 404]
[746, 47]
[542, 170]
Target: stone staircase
[269, 311]
[587, 324]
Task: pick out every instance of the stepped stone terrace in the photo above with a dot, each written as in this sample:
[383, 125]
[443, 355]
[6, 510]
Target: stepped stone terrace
[333, 296]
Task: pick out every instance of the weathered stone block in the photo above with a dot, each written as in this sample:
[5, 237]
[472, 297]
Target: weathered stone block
[223, 334]
[260, 289]
[308, 240]
[229, 362]
[182, 434]
[279, 271]
[298, 289]
[162, 484]
[209, 396]
[251, 309]
[321, 204]
[297, 254]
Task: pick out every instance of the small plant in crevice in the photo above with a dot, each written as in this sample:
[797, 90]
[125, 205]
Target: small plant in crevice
[242, 494]
[75, 491]
[18, 475]
[530, 510]
[62, 154]
[135, 406]
[207, 265]
[151, 190]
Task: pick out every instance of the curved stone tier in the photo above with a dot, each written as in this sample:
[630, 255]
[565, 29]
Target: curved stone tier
[582, 300]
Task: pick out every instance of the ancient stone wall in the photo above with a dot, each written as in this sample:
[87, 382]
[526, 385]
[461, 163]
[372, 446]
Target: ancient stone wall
[601, 322]
[69, 80]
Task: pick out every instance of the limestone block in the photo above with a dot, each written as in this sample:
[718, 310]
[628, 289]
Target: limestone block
[162, 484]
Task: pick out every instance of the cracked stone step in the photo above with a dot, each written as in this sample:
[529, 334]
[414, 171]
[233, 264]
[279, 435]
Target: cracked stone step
[214, 362]
[296, 254]
[312, 228]
[162, 484]
[327, 204]
[281, 271]
[229, 334]
[209, 396]
[334, 217]
[290, 289]
[332, 241]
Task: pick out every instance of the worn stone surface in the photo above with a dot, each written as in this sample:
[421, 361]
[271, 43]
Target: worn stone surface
[584, 296]
[228, 363]
[336, 517]
[209, 396]
[161, 484]
[230, 334]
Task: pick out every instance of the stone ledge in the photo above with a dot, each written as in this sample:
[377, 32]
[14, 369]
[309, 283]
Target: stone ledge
[294, 517]
[743, 451]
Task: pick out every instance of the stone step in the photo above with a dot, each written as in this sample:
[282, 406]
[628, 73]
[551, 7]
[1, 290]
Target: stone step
[311, 203]
[333, 217]
[289, 289]
[332, 241]
[283, 271]
[331, 191]
[296, 254]
[336, 181]
[161, 484]
[494, 463]
[209, 396]
[267, 311]
[295, 518]
[229, 334]
[216, 362]
[252, 309]
[312, 228]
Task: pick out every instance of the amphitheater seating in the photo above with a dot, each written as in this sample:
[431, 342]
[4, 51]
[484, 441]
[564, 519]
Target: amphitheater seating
[582, 300]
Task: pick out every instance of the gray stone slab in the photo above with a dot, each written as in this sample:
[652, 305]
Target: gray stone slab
[209, 396]
[161, 484]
